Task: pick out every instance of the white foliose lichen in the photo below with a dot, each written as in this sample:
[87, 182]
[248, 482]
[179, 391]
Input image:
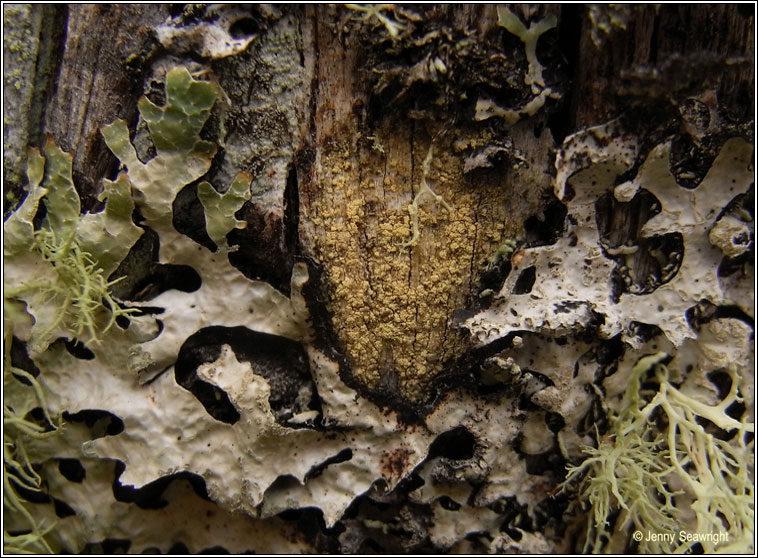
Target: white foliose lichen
[219, 33]
[254, 465]
[570, 289]
[510, 446]
[534, 79]
[573, 284]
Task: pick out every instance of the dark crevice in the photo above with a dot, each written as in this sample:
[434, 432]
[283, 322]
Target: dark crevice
[214, 550]
[550, 462]
[244, 27]
[341, 457]
[650, 261]
[143, 278]
[266, 248]
[189, 216]
[102, 423]
[547, 228]
[178, 548]
[165, 277]
[108, 546]
[292, 214]
[20, 358]
[510, 508]
[62, 509]
[448, 503]
[554, 421]
[705, 311]
[72, 469]
[78, 349]
[30, 495]
[456, 444]
[281, 361]
[563, 121]
[52, 43]
[150, 496]
[654, 38]
[525, 281]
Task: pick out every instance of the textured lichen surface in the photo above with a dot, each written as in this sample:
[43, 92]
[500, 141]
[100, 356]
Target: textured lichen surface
[574, 276]
[393, 292]
[660, 477]
[217, 413]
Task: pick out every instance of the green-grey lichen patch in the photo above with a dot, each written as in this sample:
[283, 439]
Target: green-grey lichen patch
[182, 156]
[267, 93]
[220, 207]
[21, 28]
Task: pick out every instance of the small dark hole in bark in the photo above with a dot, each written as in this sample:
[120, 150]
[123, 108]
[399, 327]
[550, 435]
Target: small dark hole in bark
[78, 349]
[72, 469]
[525, 281]
[62, 509]
[244, 27]
[455, 444]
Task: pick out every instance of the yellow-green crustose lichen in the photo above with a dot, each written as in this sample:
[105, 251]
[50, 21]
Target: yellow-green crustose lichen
[402, 237]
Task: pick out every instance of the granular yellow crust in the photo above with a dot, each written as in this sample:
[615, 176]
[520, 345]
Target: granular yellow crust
[390, 303]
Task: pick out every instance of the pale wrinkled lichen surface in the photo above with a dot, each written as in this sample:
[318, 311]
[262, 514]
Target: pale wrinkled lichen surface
[583, 347]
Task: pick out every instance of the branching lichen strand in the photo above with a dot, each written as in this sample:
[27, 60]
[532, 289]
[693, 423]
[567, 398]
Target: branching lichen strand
[634, 469]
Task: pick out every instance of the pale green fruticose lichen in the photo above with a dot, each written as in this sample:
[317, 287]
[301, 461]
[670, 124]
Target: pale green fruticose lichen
[61, 271]
[23, 532]
[666, 472]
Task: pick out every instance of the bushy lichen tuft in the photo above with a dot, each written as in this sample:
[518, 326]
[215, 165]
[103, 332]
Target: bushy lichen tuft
[81, 290]
[23, 532]
[61, 270]
[667, 474]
